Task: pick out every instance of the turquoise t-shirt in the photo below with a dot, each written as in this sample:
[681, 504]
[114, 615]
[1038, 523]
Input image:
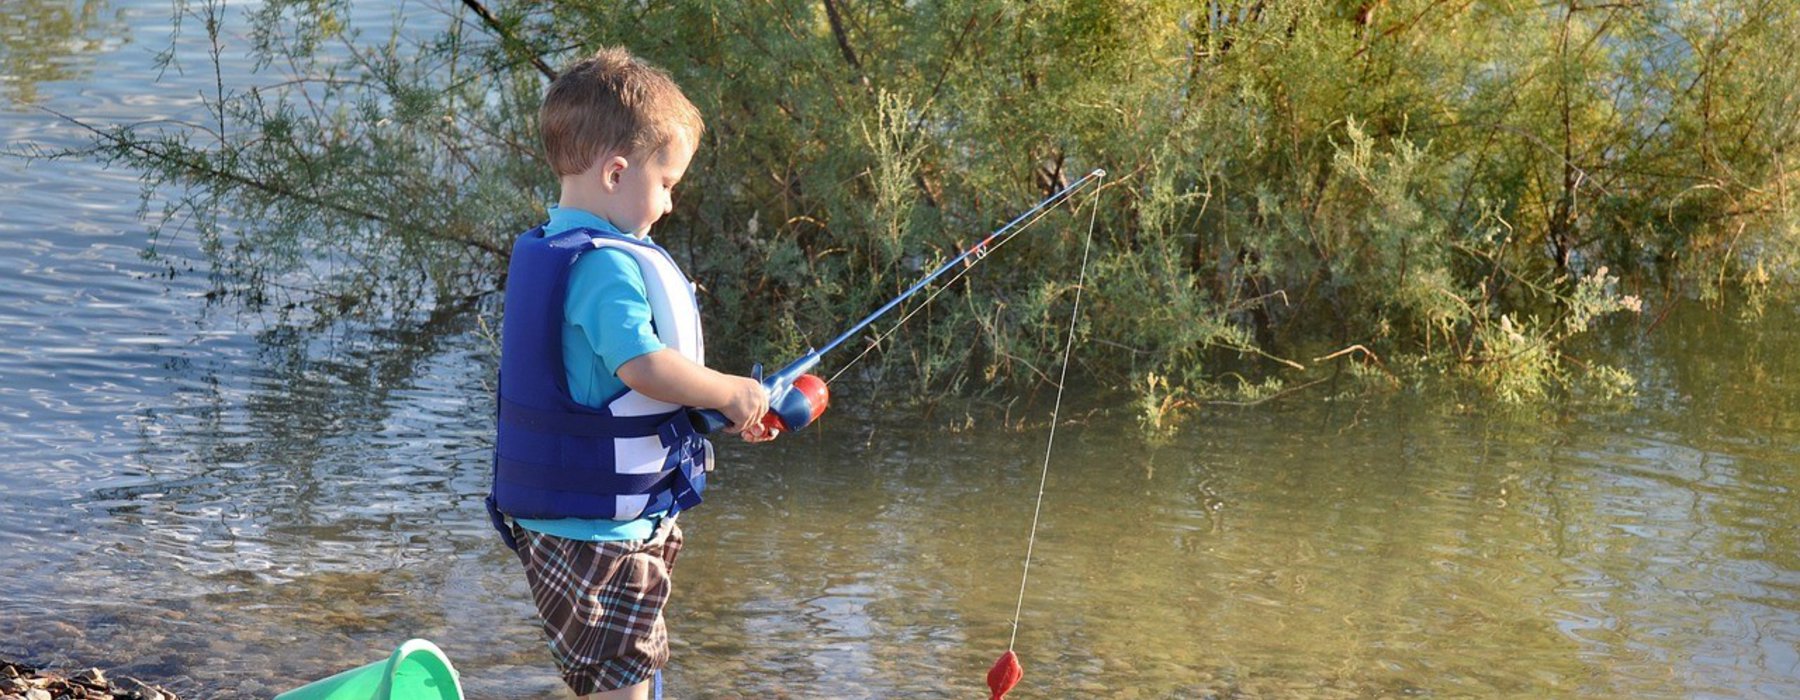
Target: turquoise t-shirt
[606, 323]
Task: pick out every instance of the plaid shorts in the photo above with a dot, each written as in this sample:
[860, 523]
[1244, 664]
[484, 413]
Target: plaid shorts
[602, 604]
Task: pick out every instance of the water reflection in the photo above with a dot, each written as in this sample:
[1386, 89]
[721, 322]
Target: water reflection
[267, 472]
[238, 507]
[293, 503]
[49, 40]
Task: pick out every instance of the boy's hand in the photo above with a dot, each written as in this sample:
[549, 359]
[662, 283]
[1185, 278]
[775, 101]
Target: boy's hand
[665, 375]
[747, 403]
[758, 432]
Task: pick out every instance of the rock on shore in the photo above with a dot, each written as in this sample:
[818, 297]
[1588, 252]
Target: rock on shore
[21, 682]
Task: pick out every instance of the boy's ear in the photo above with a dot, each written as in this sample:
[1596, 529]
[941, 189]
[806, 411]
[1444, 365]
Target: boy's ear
[612, 171]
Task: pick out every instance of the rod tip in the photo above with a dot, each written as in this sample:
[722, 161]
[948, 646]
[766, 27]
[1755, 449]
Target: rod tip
[1098, 172]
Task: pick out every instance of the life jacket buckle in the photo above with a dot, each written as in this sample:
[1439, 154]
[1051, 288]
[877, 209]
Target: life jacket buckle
[675, 431]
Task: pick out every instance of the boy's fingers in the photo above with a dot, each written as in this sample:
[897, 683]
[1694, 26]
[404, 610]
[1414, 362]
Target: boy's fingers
[760, 433]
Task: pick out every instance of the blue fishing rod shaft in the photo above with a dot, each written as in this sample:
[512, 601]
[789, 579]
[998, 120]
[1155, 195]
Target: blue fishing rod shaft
[792, 407]
[978, 247]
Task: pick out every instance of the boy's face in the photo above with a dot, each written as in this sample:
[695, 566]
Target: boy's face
[641, 190]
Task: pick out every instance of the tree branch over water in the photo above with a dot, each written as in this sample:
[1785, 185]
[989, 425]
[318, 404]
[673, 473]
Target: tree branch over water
[1475, 195]
[123, 144]
[835, 18]
[493, 22]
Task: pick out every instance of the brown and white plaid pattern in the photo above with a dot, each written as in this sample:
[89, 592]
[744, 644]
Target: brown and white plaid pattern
[602, 604]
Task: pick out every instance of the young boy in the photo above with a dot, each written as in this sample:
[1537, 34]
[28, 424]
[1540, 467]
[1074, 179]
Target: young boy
[601, 356]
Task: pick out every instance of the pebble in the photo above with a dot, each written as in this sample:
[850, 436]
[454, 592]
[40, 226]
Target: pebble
[92, 676]
[22, 682]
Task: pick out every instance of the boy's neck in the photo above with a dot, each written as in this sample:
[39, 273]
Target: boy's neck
[572, 198]
[584, 192]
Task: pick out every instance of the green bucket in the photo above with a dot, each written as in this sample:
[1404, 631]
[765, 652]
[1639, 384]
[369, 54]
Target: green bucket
[416, 671]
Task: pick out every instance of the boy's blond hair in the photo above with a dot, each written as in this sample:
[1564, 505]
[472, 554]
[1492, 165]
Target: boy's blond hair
[612, 102]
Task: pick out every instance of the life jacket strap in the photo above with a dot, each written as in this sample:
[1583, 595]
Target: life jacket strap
[557, 477]
[689, 452]
[498, 519]
[688, 478]
[675, 429]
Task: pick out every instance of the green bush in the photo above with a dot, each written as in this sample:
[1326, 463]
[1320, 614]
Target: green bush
[1454, 187]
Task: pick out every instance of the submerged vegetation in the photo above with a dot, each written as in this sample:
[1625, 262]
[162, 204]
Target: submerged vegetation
[1395, 190]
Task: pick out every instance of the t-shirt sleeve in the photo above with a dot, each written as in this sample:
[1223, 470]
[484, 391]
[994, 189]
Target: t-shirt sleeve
[607, 302]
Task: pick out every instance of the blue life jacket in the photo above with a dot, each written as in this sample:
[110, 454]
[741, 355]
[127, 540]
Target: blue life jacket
[555, 458]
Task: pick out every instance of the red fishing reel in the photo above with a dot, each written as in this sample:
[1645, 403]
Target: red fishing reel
[795, 405]
[796, 400]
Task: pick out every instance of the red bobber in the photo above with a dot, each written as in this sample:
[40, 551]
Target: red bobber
[1004, 675]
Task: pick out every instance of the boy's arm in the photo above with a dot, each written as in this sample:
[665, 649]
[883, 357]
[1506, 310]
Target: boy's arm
[607, 308]
[666, 375]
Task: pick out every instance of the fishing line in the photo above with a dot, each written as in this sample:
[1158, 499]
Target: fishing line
[1055, 412]
[985, 250]
[797, 398]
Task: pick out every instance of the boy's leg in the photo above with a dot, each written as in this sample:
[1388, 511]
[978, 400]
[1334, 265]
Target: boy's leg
[602, 607]
[640, 691]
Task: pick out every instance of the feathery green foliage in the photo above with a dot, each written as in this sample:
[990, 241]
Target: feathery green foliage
[1459, 187]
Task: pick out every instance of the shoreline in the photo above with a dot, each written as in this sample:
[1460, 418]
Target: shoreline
[22, 681]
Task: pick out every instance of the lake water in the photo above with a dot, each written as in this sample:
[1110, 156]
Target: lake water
[198, 497]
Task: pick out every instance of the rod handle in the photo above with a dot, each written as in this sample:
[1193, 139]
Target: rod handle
[795, 399]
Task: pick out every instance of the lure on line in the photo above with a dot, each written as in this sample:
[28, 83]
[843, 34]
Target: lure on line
[1006, 671]
[1005, 674]
[797, 398]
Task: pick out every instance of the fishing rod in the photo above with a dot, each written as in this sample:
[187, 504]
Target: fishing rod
[797, 398]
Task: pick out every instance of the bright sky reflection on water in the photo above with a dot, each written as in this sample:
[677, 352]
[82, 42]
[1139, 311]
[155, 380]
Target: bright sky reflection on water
[195, 496]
